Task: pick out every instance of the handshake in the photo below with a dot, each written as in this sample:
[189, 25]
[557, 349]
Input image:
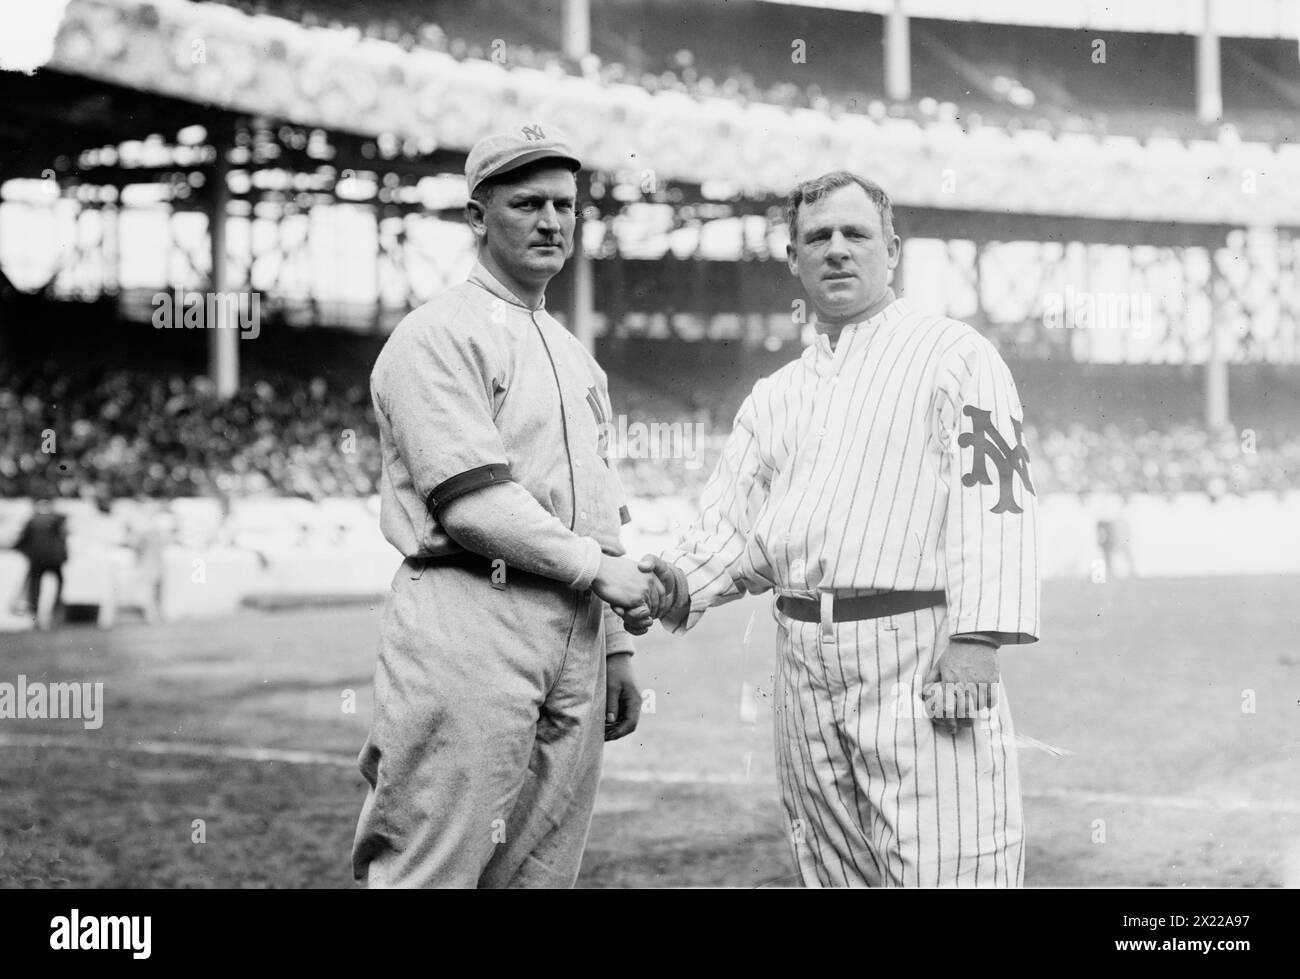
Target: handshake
[638, 592]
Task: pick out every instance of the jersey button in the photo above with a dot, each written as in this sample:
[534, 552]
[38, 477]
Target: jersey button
[582, 514]
[821, 433]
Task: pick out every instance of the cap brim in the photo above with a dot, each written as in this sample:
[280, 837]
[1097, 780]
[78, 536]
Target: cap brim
[572, 162]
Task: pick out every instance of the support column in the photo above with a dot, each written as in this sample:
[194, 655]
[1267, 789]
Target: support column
[1209, 90]
[898, 54]
[376, 319]
[111, 236]
[1216, 364]
[223, 336]
[582, 304]
[576, 25]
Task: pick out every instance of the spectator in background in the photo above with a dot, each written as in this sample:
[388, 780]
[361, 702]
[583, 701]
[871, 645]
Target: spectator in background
[44, 543]
[1106, 541]
[1121, 553]
[150, 537]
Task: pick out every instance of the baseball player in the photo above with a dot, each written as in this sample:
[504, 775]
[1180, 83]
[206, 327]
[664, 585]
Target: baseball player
[880, 487]
[501, 668]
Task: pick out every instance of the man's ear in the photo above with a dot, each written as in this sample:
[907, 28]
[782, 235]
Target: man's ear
[895, 251]
[792, 260]
[475, 214]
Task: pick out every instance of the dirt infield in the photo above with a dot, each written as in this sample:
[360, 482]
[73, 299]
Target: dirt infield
[1177, 699]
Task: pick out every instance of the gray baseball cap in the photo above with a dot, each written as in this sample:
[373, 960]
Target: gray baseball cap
[499, 153]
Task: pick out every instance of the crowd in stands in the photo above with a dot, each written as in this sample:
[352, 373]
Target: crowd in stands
[1179, 458]
[120, 435]
[126, 435]
[1003, 99]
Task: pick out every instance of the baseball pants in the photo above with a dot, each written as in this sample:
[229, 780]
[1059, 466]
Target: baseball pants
[874, 793]
[484, 754]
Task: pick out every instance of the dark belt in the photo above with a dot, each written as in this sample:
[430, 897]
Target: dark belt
[473, 563]
[467, 560]
[860, 606]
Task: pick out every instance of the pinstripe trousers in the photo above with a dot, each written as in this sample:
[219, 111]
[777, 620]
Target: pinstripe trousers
[875, 794]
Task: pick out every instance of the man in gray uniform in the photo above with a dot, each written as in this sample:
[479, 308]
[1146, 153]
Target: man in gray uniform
[502, 668]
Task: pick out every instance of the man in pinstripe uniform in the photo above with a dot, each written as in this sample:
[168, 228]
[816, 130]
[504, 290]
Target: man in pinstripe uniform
[880, 486]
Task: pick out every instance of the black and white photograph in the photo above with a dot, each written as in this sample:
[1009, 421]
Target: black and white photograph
[650, 444]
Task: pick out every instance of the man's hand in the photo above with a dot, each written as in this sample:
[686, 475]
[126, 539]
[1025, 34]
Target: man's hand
[620, 583]
[638, 619]
[622, 698]
[630, 592]
[667, 581]
[963, 682]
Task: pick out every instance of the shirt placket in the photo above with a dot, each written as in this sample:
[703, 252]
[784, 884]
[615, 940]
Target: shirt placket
[818, 461]
[581, 501]
[830, 377]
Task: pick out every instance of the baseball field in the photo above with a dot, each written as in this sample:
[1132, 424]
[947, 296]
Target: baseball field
[226, 751]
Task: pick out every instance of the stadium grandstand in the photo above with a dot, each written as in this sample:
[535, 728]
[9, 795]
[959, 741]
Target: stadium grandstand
[1110, 195]
[1026, 74]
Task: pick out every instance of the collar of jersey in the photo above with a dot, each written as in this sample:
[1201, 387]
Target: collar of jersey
[484, 279]
[889, 314]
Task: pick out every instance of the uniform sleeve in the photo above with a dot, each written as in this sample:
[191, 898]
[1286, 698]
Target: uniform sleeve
[617, 638]
[504, 521]
[709, 555]
[436, 390]
[991, 543]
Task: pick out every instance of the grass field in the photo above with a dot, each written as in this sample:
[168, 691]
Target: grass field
[241, 723]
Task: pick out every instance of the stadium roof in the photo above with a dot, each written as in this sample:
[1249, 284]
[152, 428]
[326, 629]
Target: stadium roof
[152, 56]
[1230, 18]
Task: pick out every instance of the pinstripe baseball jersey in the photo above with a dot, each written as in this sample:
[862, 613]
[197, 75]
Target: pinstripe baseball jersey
[891, 461]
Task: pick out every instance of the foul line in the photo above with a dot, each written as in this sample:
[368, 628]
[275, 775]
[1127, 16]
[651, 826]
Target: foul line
[634, 776]
[232, 752]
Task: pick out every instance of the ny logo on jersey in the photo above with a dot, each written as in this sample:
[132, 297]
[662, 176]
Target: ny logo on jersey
[988, 443]
[533, 132]
[603, 425]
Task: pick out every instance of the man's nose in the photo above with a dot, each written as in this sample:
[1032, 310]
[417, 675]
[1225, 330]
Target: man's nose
[548, 217]
[838, 245]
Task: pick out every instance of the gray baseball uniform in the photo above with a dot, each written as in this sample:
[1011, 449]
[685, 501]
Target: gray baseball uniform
[484, 752]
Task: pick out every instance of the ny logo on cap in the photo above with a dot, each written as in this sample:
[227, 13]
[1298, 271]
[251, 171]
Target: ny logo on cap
[533, 132]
